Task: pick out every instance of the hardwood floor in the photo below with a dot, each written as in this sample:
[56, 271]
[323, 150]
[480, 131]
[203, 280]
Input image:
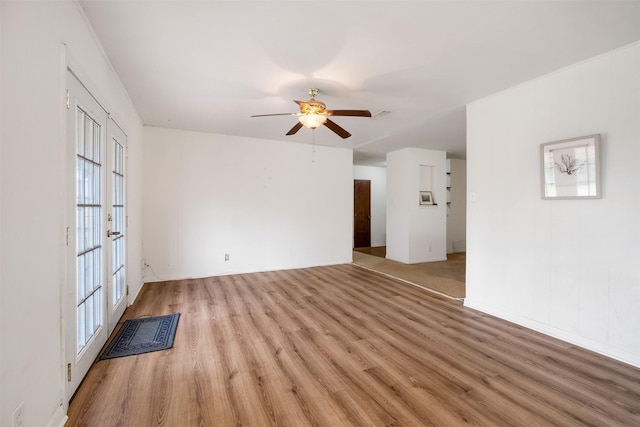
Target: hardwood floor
[446, 277]
[379, 251]
[344, 346]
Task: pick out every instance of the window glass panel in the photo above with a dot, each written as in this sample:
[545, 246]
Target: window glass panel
[119, 289]
[88, 138]
[80, 279]
[88, 318]
[79, 182]
[81, 328]
[97, 271]
[97, 155]
[88, 274]
[88, 228]
[118, 224]
[88, 183]
[97, 230]
[96, 311]
[79, 229]
[117, 218]
[80, 132]
[97, 192]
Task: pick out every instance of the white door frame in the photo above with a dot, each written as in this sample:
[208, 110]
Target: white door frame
[78, 361]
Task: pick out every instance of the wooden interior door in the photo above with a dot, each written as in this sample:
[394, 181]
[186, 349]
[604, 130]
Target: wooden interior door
[361, 213]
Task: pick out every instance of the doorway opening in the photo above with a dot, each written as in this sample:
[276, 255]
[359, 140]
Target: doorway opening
[361, 213]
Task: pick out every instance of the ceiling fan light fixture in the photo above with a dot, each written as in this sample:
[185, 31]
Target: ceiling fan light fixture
[314, 113]
[312, 121]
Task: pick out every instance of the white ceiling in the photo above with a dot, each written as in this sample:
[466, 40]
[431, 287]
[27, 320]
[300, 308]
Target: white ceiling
[209, 65]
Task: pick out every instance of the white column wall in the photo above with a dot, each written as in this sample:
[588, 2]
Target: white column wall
[457, 218]
[415, 233]
[568, 268]
[378, 177]
[269, 205]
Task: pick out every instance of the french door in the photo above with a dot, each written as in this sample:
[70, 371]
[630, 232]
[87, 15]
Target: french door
[116, 225]
[96, 271]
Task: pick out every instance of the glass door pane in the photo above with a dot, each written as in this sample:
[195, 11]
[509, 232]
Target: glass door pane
[118, 224]
[88, 228]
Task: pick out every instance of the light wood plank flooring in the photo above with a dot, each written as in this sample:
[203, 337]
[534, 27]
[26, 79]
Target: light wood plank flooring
[345, 346]
[447, 277]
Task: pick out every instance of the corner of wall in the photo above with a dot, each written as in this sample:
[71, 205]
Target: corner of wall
[567, 268]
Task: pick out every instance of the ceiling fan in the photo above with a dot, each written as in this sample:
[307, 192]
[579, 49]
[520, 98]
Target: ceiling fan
[314, 113]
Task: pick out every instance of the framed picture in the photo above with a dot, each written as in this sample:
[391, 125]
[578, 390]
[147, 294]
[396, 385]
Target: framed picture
[571, 168]
[426, 198]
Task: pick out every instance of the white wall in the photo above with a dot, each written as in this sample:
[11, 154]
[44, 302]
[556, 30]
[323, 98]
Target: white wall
[269, 205]
[378, 177]
[568, 268]
[33, 196]
[457, 213]
[416, 233]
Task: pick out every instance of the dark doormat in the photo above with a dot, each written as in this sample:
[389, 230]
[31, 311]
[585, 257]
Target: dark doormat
[144, 335]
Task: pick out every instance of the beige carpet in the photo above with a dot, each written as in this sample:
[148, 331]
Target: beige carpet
[447, 277]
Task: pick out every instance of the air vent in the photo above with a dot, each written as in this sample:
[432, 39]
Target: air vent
[380, 114]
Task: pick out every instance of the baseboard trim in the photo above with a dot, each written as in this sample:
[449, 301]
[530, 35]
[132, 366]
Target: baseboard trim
[59, 418]
[567, 336]
[165, 277]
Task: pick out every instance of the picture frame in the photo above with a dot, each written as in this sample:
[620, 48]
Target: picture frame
[426, 198]
[571, 168]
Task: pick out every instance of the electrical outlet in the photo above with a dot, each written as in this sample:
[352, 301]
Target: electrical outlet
[18, 416]
[226, 257]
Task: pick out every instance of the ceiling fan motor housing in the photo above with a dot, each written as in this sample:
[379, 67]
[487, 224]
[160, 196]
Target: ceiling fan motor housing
[313, 107]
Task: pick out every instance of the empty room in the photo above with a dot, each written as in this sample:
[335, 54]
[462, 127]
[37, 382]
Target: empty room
[346, 213]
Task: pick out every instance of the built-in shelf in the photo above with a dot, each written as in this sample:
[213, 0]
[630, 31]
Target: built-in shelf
[448, 187]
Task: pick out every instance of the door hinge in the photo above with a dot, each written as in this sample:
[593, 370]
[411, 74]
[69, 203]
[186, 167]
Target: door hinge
[68, 232]
[68, 100]
[68, 372]
[127, 290]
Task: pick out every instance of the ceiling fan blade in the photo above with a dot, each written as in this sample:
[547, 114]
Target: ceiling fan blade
[295, 129]
[337, 129]
[277, 114]
[353, 113]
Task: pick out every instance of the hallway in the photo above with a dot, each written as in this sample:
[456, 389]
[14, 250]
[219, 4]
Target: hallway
[444, 277]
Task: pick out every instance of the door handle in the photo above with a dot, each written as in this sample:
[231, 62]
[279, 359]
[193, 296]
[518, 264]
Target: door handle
[112, 233]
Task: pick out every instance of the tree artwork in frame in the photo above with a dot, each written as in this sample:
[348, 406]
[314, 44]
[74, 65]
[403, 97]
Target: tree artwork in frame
[571, 169]
[426, 198]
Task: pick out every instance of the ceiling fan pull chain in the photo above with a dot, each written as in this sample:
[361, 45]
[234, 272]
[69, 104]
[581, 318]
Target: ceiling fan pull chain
[313, 145]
